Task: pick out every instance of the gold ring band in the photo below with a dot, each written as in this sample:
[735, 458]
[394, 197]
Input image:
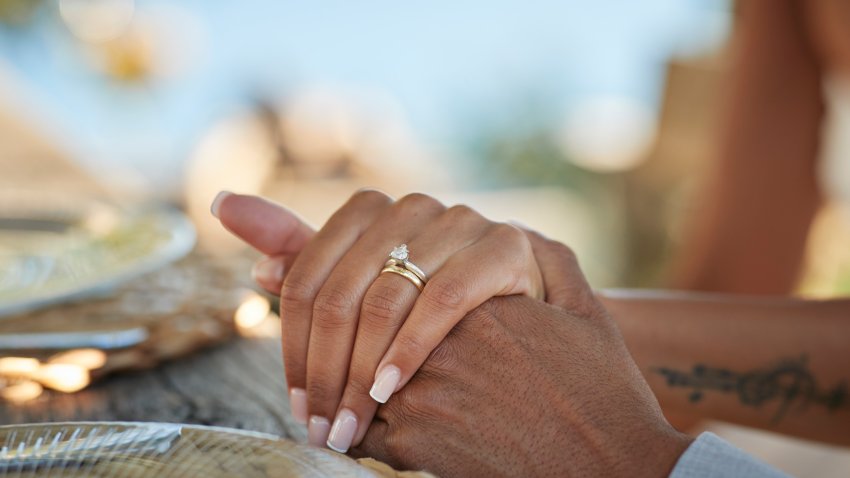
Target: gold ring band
[409, 266]
[413, 278]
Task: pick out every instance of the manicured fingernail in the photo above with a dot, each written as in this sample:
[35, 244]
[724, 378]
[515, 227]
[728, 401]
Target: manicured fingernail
[317, 431]
[269, 271]
[216, 204]
[385, 383]
[298, 405]
[342, 433]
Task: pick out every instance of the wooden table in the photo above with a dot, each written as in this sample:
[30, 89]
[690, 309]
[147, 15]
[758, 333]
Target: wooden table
[239, 384]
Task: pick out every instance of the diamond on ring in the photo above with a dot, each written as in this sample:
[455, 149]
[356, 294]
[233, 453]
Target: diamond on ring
[399, 263]
[400, 253]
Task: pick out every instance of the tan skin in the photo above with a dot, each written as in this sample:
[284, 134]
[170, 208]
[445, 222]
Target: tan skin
[571, 403]
[576, 410]
[755, 338]
[755, 211]
[749, 234]
[746, 337]
[352, 335]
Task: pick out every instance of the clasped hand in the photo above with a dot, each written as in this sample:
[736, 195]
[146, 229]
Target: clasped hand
[508, 386]
[353, 336]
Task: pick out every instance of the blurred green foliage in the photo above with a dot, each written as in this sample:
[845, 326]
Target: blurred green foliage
[527, 158]
[520, 149]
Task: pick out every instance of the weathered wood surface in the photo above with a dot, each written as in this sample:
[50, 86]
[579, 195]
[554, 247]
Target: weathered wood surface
[239, 384]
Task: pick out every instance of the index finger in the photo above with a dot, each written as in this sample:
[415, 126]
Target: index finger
[268, 227]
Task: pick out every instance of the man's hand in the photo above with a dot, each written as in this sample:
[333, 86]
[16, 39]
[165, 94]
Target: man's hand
[525, 388]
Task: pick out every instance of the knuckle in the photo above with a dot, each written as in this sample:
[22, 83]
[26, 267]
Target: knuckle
[481, 318]
[561, 249]
[333, 308]
[382, 303]
[443, 358]
[369, 197]
[418, 200]
[447, 293]
[480, 326]
[509, 235]
[403, 406]
[417, 203]
[419, 408]
[296, 292]
[412, 407]
[463, 213]
[412, 345]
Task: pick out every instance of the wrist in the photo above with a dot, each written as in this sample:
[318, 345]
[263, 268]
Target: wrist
[643, 450]
[657, 453]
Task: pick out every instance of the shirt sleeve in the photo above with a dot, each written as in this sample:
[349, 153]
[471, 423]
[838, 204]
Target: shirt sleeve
[709, 456]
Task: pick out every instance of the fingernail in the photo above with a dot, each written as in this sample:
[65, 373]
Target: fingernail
[298, 405]
[269, 270]
[342, 433]
[317, 431]
[385, 383]
[216, 204]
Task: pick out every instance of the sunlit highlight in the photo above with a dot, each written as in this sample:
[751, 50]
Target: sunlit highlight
[89, 359]
[18, 366]
[21, 392]
[252, 311]
[64, 377]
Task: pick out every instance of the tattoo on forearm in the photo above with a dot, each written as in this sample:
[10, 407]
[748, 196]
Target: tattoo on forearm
[788, 385]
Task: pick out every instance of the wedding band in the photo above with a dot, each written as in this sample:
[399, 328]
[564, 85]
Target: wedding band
[409, 266]
[398, 263]
[406, 274]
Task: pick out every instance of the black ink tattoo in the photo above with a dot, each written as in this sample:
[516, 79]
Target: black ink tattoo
[789, 384]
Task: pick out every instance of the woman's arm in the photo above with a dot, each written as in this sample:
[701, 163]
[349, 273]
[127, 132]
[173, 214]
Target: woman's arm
[779, 364]
[749, 232]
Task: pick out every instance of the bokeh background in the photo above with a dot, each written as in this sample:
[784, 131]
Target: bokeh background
[539, 113]
[591, 121]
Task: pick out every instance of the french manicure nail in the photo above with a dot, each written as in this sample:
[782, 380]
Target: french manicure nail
[385, 383]
[342, 433]
[317, 431]
[216, 204]
[268, 270]
[298, 404]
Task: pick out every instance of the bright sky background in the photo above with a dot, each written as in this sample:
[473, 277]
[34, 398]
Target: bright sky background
[439, 61]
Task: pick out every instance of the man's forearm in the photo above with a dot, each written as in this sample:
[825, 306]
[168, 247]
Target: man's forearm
[773, 363]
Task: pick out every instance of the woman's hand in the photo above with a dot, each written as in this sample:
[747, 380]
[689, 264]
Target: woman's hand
[350, 331]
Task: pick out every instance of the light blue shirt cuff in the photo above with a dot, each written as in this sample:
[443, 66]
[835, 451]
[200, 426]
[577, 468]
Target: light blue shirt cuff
[709, 456]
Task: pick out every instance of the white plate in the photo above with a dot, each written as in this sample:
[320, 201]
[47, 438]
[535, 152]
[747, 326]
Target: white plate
[54, 248]
[161, 450]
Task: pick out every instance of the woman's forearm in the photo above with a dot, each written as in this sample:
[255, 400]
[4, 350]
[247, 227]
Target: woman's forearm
[780, 364]
[747, 231]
